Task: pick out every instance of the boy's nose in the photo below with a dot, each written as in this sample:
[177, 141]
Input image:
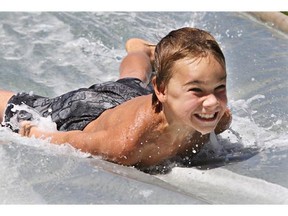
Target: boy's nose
[210, 102]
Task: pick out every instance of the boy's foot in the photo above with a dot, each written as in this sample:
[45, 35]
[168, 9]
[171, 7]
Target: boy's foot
[136, 45]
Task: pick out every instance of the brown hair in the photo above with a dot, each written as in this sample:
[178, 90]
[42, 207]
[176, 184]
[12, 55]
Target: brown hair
[179, 44]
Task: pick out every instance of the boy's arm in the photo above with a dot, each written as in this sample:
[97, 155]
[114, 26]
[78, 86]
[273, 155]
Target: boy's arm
[100, 143]
[224, 122]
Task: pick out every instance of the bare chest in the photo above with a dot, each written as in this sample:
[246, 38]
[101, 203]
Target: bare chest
[160, 145]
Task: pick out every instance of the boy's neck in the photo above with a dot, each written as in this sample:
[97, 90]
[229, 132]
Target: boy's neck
[176, 128]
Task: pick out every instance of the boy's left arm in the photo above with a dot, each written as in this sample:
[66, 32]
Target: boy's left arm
[224, 122]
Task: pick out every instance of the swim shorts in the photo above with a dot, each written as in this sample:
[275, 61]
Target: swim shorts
[76, 109]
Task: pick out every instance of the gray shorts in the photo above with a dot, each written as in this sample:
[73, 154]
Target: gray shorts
[75, 109]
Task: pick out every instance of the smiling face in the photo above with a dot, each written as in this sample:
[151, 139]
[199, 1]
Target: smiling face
[195, 96]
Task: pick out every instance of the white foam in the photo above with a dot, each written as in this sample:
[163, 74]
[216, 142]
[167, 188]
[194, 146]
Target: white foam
[43, 123]
[249, 131]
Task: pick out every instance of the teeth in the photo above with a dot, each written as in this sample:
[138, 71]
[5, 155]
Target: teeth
[207, 116]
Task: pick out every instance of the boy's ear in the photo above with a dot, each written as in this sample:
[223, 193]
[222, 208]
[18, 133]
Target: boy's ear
[160, 93]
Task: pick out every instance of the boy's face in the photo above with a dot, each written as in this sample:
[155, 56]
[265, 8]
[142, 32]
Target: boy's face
[196, 94]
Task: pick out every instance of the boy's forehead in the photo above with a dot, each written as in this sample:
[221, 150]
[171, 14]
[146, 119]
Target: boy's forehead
[200, 69]
[207, 59]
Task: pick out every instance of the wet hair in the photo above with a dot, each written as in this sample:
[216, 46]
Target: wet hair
[183, 43]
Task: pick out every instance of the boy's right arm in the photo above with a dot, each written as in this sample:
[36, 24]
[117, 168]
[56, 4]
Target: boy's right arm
[101, 143]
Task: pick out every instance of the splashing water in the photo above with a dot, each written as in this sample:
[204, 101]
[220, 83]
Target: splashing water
[24, 112]
[250, 132]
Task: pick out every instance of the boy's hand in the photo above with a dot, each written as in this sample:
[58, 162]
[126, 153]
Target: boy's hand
[27, 129]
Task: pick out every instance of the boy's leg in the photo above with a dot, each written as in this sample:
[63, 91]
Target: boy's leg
[4, 97]
[139, 60]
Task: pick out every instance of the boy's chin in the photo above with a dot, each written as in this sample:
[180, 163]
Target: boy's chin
[206, 131]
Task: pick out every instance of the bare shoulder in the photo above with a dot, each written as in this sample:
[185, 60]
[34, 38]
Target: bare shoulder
[128, 122]
[130, 113]
[125, 126]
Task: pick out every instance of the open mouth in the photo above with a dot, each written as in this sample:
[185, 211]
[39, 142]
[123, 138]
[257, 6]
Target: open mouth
[206, 117]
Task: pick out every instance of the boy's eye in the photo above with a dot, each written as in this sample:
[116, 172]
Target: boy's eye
[221, 88]
[198, 90]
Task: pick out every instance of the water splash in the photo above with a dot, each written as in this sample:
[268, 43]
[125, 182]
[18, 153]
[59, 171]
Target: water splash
[24, 112]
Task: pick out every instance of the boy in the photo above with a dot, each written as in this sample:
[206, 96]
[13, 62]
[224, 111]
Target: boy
[128, 123]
